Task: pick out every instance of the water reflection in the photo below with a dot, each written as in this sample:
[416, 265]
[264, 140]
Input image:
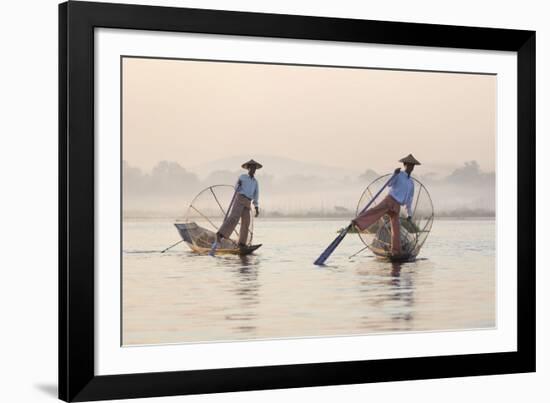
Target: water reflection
[179, 296]
[402, 287]
[387, 295]
[245, 285]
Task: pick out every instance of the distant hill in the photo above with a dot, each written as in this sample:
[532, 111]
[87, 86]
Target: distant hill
[368, 176]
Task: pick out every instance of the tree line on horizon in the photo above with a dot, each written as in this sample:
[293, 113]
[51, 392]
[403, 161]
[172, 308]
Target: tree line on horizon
[170, 178]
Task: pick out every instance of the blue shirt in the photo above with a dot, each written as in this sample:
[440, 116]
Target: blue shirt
[402, 190]
[248, 188]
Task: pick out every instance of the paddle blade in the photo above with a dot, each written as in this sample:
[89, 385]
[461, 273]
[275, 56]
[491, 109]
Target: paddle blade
[331, 248]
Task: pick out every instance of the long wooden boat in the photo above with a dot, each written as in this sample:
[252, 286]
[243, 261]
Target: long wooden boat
[200, 240]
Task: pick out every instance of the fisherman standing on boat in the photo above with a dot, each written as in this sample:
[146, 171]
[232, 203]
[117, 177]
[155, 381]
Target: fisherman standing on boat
[401, 194]
[247, 191]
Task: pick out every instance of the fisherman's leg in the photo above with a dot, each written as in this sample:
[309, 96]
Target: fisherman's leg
[372, 215]
[245, 223]
[231, 221]
[395, 233]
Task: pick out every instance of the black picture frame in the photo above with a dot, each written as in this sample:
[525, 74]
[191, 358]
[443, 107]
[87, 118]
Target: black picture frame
[77, 379]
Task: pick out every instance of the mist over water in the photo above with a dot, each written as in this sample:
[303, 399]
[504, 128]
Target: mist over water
[179, 297]
[294, 188]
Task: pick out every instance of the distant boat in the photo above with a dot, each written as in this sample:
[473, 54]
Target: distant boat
[200, 240]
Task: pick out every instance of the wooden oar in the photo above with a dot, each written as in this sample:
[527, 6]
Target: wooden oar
[215, 243]
[334, 244]
[358, 252]
[170, 247]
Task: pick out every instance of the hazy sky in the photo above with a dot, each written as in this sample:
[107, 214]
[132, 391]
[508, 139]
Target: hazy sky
[195, 112]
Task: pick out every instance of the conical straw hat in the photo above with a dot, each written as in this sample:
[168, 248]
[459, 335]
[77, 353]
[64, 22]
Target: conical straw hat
[251, 162]
[409, 159]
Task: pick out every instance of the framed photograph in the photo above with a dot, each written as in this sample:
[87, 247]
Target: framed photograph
[258, 201]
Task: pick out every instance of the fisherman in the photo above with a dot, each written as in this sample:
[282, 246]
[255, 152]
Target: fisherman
[401, 194]
[246, 191]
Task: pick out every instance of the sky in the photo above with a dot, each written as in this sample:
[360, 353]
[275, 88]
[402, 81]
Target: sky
[195, 112]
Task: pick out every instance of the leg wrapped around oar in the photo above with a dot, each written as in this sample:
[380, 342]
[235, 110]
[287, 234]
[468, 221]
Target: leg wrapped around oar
[239, 211]
[334, 244]
[387, 206]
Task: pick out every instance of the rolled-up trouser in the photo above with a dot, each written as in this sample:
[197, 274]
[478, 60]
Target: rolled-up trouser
[239, 211]
[387, 206]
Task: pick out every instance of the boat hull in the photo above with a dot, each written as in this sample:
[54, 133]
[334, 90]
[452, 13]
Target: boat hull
[200, 240]
[220, 251]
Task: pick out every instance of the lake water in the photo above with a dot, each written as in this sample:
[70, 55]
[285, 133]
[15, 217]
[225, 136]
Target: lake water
[179, 296]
